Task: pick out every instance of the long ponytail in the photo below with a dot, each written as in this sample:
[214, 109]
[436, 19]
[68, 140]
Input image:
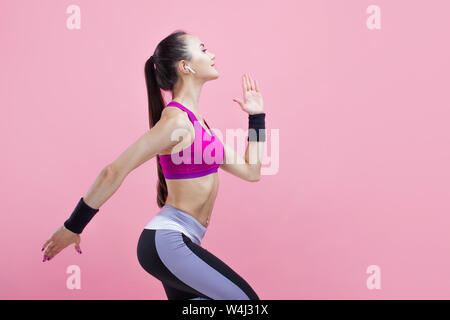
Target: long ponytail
[161, 73]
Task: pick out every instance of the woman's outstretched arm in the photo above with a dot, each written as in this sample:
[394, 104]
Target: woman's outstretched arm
[165, 134]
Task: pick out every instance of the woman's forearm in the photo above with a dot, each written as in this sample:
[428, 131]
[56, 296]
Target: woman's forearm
[106, 184]
[253, 157]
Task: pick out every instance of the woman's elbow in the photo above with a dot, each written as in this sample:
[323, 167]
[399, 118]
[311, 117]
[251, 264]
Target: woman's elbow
[110, 171]
[254, 176]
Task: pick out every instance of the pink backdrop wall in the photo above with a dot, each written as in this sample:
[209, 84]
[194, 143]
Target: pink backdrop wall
[362, 114]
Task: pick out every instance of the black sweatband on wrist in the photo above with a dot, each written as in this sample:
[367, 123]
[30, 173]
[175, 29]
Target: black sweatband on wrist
[256, 127]
[80, 217]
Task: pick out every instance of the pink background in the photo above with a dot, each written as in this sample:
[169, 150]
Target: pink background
[364, 144]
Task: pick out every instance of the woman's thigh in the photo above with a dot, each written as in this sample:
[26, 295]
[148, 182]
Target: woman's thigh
[183, 266]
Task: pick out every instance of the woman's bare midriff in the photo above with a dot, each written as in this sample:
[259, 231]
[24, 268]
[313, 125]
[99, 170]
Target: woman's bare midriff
[195, 196]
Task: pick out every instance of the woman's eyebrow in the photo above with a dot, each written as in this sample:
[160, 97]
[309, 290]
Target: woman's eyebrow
[201, 44]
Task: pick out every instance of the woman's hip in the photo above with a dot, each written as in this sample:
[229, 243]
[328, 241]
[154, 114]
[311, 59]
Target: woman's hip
[171, 218]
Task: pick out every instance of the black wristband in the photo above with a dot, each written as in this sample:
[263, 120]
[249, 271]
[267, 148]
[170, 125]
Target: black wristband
[256, 127]
[80, 217]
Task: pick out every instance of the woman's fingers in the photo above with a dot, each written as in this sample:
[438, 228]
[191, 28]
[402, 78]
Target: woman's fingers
[45, 244]
[251, 84]
[248, 83]
[50, 245]
[77, 248]
[256, 86]
[244, 86]
[53, 252]
[50, 249]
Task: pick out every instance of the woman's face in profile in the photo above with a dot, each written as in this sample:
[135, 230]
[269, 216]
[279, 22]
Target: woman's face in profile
[202, 59]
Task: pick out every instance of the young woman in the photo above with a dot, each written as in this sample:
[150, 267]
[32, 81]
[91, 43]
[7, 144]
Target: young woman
[188, 156]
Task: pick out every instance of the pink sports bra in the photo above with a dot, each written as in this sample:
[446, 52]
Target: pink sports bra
[202, 157]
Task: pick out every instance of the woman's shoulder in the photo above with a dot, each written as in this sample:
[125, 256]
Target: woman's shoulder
[173, 113]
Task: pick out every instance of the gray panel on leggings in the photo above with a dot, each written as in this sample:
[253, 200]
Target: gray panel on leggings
[192, 270]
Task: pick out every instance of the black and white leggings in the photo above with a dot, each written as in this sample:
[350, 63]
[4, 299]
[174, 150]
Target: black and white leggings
[169, 248]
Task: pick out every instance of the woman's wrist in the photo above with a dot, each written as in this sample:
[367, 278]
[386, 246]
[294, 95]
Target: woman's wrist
[256, 127]
[80, 217]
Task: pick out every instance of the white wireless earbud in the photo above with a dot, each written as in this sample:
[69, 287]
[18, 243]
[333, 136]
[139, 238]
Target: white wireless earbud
[190, 69]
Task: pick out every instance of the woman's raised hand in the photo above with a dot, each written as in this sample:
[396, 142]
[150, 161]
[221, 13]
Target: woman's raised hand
[253, 101]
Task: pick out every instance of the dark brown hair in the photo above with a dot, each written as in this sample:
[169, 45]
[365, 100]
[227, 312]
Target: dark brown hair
[161, 73]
